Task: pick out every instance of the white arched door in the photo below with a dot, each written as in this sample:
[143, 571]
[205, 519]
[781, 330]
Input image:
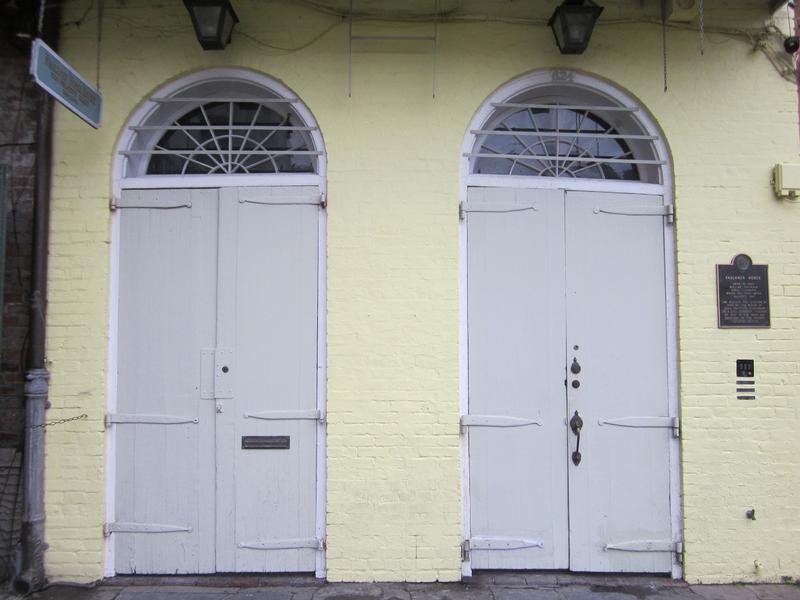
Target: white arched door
[568, 416]
[217, 412]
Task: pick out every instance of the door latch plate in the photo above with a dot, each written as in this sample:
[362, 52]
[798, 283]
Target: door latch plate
[224, 373]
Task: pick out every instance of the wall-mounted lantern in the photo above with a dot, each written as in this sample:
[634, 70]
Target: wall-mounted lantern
[213, 22]
[572, 24]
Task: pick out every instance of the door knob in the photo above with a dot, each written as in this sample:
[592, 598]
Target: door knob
[575, 367]
[575, 423]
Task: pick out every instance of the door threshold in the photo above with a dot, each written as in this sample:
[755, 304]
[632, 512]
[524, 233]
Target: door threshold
[218, 580]
[544, 579]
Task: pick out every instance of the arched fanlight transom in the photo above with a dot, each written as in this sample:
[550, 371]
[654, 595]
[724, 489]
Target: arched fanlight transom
[556, 142]
[232, 137]
[223, 128]
[565, 133]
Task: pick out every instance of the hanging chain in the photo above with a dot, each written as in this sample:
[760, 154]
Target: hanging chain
[61, 421]
[702, 28]
[40, 22]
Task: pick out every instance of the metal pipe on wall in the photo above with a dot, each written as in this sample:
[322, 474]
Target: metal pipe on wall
[32, 576]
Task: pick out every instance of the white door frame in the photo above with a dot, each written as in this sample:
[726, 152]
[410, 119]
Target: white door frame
[120, 182]
[665, 189]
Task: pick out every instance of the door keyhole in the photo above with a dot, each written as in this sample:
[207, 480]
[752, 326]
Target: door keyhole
[225, 369]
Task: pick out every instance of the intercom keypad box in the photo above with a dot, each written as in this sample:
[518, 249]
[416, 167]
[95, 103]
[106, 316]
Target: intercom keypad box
[745, 367]
[745, 379]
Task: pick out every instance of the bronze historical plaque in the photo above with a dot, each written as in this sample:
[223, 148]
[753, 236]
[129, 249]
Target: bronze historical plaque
[742, 294]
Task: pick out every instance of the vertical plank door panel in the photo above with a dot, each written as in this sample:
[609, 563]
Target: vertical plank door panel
[616, 315]
[165, 472]
[268, 279]
[515, 296]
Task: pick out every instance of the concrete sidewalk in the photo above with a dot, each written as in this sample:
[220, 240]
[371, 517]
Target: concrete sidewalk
[497, 586]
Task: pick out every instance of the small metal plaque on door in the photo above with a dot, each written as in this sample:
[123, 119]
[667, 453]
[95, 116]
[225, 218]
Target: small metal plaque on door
[265, 442]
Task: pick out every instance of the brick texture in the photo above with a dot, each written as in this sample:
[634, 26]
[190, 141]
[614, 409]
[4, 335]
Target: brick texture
[393, 469]
[17, 132]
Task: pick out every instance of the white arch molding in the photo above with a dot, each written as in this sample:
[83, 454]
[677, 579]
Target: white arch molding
[549, 86]
[555, 85]
[273, 89]
[211, 83]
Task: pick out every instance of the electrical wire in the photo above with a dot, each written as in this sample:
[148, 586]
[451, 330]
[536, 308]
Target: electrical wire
[100, 7]
[759, 40]
[78, 22]
[701, 9]
[664, 39]
[302, 46]
[768, 40]
[393, 15]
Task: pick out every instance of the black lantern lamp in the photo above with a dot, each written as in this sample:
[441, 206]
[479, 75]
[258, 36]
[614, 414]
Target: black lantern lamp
[572, 24]
[213, 22]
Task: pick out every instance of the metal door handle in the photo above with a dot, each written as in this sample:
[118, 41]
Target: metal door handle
[576, 423]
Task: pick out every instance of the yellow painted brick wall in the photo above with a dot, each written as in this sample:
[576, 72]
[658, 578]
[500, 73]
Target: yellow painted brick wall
[393, 444]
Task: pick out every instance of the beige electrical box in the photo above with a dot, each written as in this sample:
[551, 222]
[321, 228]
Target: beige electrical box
[786, 179]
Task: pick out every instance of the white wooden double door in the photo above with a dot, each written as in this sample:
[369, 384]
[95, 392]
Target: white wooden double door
[217, 416]
[567, 314]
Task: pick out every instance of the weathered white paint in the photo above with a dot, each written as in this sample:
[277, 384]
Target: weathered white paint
[219, 181]
[267, 312]
[565, 183]
[665, 189]
[604, 281]
[120, 182]
[111, 393]
[235, 270]
[147, 107]
[617, 331]
[515, 280]
[165, 473]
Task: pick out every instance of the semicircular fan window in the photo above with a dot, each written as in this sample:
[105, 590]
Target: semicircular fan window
[233, 137]
[555, 142]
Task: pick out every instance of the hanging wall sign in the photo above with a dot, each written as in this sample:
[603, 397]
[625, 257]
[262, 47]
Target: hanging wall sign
[742, 294]
[64, 83]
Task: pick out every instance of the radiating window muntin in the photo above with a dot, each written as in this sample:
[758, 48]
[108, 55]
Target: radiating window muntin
[238, 137]
[556, 142]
